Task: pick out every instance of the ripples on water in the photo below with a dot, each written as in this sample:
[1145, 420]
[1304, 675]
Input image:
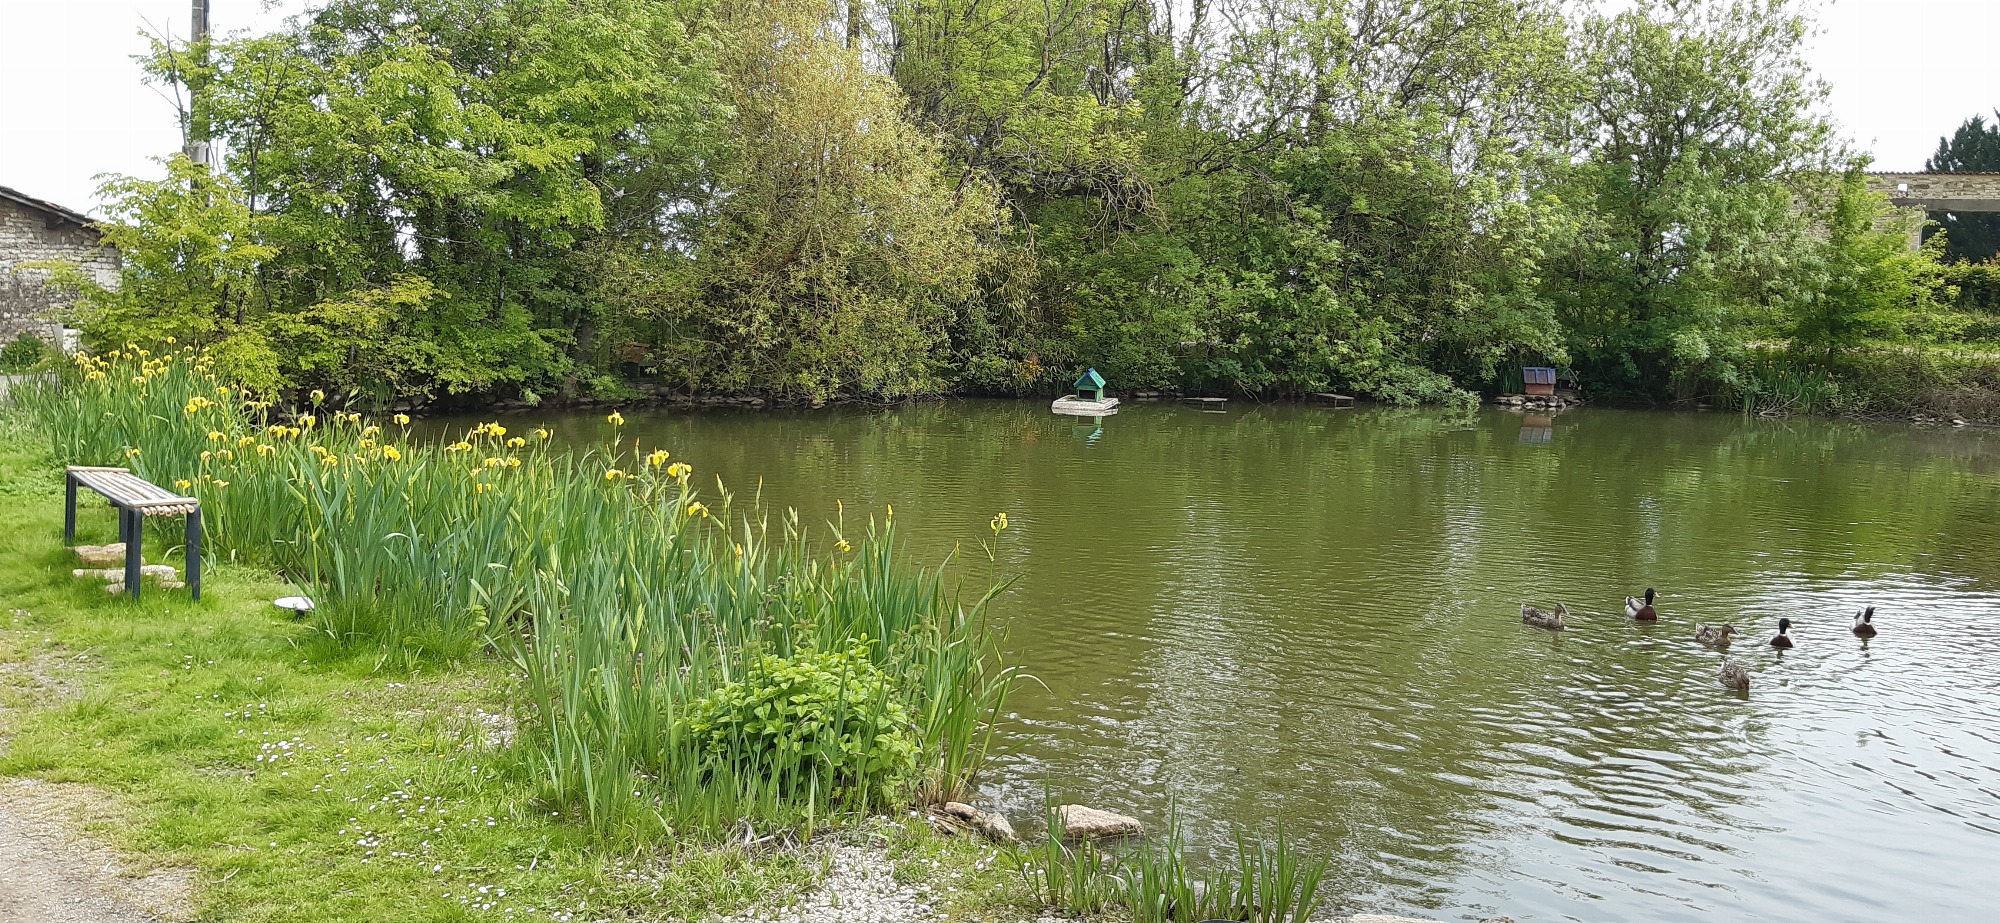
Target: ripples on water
[1310, 618]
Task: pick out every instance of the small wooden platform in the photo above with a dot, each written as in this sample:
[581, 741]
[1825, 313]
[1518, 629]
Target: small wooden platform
[135, 498]
[1337, 400]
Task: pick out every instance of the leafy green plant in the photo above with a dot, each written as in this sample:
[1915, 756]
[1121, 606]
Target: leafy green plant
[23, 353]
[829, 714]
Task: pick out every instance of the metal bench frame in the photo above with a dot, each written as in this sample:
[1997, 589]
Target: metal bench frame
[135, 498]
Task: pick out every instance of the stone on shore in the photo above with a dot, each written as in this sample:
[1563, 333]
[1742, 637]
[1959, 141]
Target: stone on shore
[161, 572]
[954, 815]
[1084, 823]
[101, 555]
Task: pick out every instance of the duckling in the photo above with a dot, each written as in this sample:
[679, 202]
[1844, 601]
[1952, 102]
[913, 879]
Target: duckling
[1552, 621]
[1644, 612]
[1734, 677]
[1713, 635]
[1782, 640]
[1864, 623]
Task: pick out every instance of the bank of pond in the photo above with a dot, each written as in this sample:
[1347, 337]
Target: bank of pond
[1277, 618]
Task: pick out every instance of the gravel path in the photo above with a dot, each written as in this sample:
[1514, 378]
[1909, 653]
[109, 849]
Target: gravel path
[49, 871]
[50, 875]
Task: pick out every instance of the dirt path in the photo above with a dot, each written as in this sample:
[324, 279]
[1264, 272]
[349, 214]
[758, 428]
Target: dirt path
[51, 871]
[50, 875]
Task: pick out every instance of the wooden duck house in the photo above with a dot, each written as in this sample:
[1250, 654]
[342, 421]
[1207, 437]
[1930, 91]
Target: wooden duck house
[1538, 382]
[1089, 399]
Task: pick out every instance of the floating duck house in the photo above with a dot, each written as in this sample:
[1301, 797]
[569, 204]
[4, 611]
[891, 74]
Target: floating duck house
[1089, 399]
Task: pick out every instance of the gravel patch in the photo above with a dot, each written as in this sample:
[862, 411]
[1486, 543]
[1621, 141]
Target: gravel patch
[51, 874]
[860, 887]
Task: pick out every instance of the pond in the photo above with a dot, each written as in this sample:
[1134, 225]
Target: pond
[1309, 618]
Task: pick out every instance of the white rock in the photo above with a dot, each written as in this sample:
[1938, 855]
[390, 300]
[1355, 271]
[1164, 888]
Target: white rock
[1080, 822]
[164, 572]
[101, 555]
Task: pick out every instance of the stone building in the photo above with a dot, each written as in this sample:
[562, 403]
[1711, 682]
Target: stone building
[32, 230]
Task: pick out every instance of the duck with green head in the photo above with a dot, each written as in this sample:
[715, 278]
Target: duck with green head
[1641, 611]
[1783, 640]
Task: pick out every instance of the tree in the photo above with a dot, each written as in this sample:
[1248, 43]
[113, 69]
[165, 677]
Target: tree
[1701, 132]
[1863, 282]
[1973, 148]
[438, 175]
[840, 244]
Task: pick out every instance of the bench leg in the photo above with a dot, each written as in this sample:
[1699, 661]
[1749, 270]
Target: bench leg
[69, 508]
[135, 531]
[194, 552]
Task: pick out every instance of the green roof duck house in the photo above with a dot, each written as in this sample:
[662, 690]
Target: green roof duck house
[1089, 399]
[1090, 386]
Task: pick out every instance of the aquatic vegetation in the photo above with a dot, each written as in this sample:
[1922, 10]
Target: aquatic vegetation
[638, 613]
[1155, 882]
[1268, 883]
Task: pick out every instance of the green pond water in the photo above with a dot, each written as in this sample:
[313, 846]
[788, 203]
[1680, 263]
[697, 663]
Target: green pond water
[1309, 617]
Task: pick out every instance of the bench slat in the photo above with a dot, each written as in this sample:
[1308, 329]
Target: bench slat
[123, 488]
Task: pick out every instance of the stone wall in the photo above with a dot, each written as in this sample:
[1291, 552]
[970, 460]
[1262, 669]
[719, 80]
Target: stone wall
[1940, 192]
[26, 304]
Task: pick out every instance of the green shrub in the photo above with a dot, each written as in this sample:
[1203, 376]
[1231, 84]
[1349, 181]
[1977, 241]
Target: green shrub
[22, 354]
[816, 716]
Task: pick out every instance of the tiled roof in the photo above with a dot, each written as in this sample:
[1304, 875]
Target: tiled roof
[46, 207]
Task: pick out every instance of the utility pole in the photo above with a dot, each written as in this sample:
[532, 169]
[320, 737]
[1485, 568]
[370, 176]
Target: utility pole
[198, 147]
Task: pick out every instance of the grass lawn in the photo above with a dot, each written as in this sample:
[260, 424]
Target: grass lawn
[302, 780]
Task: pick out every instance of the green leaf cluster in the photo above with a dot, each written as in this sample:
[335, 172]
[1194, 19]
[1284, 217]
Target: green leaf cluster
[825, 716]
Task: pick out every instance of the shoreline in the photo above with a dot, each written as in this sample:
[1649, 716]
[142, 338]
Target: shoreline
[1921, 420]
[312, 777]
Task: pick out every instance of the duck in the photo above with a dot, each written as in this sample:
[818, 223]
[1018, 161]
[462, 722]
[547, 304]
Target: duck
[1713, 635]
[1733, 676]
[1641, 611]
[1552, 621]
[1782, 641]
[1864, 623]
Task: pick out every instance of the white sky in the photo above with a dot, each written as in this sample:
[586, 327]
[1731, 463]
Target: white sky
[1904, 73]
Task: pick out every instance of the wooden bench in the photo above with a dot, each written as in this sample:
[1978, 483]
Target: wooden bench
[136, 498]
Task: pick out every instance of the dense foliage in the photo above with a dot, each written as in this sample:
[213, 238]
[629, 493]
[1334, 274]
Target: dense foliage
[23, 352]
[814, 199]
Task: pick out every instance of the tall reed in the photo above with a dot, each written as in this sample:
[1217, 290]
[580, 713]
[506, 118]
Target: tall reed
[621, 593]
[1156, 883]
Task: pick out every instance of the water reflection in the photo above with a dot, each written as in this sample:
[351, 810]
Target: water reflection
[1308, 617]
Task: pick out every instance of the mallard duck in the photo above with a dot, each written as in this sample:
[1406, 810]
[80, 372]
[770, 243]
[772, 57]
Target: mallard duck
[1734, 677]
[1713, 635]
[1552, 621]
[1782, 640]
[1864, 623]
[1641, 611]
